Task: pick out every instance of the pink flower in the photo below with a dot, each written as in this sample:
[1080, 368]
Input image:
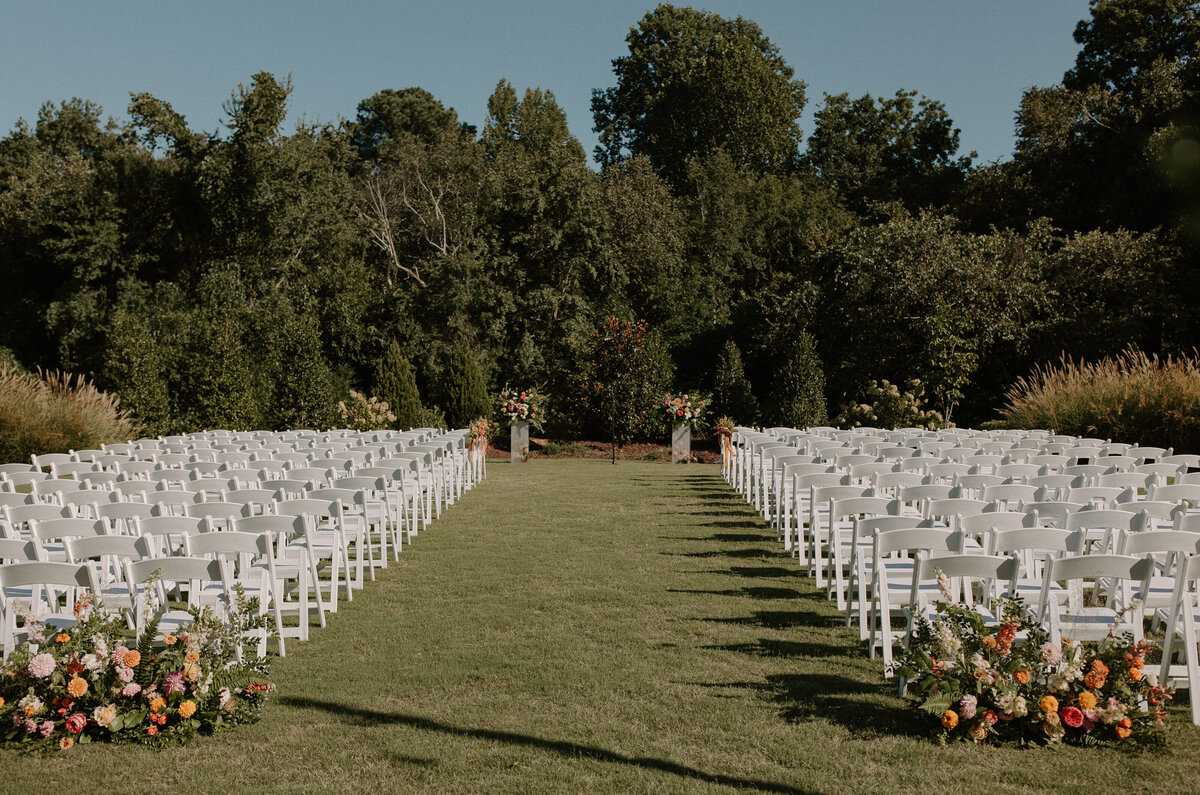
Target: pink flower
[132, 689]
[76, 723]
[991, 717]
[968, 706]
[47, 728]
[1051, 654]
[1072, 717]
[118, 654]
[125, 673]
[30, 726]
[41, 666]
[173, 683]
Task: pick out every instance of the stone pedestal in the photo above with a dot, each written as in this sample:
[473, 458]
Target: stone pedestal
[681, 444]
[519, 441]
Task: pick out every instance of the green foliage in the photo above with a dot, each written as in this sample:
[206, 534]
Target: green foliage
[464, 395]
[732, 395]
[798, 389]
[949, 357]
[134, 361]
[361, 413]
[1131, 397]
[621, 380]
[893, 151]
[55, 413]
[396, 385]
[885, 406]
[694, 82]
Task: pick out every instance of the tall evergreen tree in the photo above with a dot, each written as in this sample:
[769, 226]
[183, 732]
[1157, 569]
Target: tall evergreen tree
[396, 383]
[464, 394]
[732, 396]
[798, 393]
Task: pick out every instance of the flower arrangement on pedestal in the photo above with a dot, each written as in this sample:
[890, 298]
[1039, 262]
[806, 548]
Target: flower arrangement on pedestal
[976, 682]
[523, 405]
[92, 682]
[685, 409]
[480, 429]
[724, 433]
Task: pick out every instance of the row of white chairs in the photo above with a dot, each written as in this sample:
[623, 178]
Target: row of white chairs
[862, 525]
[295, 542]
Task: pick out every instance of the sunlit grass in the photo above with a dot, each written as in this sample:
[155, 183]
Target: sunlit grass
[576, 626]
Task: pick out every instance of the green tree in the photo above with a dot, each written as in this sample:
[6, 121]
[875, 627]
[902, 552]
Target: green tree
[798, 390]
[622, 379]
[396, 384]
[950, 357]
[890, 150]
[134, 363]
[732, 395]
[464, 394]
[694, 82]
[391, 115]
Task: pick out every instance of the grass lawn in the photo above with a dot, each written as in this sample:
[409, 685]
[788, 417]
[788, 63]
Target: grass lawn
[576, 626]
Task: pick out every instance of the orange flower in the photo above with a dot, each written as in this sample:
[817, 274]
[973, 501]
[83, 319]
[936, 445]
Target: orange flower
[152, 730]
[1135, 674]
[132, 658]
[191, 672]
[1087, 700]
[1048, 704]
[1124, 728]
[65, 743]
[192, 655]
[157, 704]
[77, 687]
[949, 719]
[1021, 676]
[1099, 667]
[987, 642]
[1139, 662]
[62, 637]
[187, 709]
[74, 667]
[1, 701]
[170, 640]
[1095, 680]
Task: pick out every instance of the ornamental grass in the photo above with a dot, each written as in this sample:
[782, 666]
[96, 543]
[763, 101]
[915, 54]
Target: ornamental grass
[54, 412]
[1131, 397]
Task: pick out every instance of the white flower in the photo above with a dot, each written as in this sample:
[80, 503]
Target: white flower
[92, 662]
[1020, 708]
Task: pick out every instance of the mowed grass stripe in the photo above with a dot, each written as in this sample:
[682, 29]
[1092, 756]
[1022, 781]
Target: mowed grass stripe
[576, 626]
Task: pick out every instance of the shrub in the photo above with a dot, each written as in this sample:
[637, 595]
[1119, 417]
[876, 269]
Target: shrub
[431, 417]
[55, 412]
[360, 413]
[134, 366]
[463, 390]
[621, 380]
[396, 383]
[798, 391]
[885, 406]
[1132, 397]
[732, 396]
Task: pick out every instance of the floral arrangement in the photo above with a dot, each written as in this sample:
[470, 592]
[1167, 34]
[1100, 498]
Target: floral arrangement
[92, 682]
[480, 429]
[977, 683]
[523, 405]
[725, 435]
[684, 409]
[361, 413]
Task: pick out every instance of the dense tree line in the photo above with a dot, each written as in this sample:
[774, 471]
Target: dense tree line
[252, 277]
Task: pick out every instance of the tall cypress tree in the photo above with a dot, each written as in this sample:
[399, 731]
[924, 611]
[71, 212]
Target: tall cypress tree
[396, 383]
[464, 393]
[731, 392]
[798, 392]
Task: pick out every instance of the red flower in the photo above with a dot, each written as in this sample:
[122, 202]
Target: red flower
[76, 723]
[1072, 716]
[679, 413]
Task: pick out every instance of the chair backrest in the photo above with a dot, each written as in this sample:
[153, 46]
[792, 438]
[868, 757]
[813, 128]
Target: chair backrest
[82, 549]
[916, 539]
[1178, 493]
[854, 507]
[1153, 541]
[14, 575]
[954, 506]
[17, 550]
[1051, 512]
[50, 529]
[230, 542]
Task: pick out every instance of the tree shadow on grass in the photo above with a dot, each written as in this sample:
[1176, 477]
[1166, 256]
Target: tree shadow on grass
[781, 619]
[366, 717]
[752, 593]
[745, 552]
[863, 709]
[798, 649]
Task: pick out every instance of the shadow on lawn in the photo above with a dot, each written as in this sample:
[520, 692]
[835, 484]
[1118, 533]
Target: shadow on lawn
[368, 717]
[781, 619]
[752, 593]
[861, 708]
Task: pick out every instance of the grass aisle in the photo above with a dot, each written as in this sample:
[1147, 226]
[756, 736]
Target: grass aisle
[574, 626]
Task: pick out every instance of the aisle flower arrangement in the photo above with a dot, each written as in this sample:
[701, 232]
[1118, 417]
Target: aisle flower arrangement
[93, 683]
[684, 409]
[977, 683]
[523, 405]
[724, 432]
[480, 429]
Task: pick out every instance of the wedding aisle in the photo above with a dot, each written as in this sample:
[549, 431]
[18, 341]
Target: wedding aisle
[574, 626]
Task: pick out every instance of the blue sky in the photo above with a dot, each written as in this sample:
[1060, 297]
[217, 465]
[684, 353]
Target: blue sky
[976, 56]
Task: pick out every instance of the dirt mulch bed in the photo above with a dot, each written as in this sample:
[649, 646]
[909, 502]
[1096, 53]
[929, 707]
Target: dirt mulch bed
[553, 448]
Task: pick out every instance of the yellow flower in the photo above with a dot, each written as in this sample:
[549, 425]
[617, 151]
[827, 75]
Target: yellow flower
[1048, 704]
[193, 655]
[62, 637]
[949, 719]
[170, 640]
[187, 709]
[77, 687]
[1021, 676]
[157, 704]
[1087, 700]
[132, 658]
[191, 672]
